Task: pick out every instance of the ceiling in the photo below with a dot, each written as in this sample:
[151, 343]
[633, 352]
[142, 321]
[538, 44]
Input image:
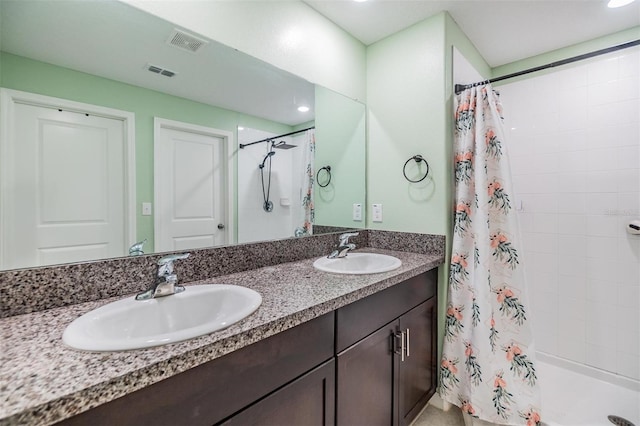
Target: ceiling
[116, 41]
[503, 31]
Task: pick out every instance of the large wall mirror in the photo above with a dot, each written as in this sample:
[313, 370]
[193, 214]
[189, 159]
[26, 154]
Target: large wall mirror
[119, 127]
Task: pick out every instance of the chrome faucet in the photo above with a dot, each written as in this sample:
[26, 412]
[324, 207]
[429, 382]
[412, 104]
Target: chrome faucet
[166, 280]
[137, 249]
[344, 246]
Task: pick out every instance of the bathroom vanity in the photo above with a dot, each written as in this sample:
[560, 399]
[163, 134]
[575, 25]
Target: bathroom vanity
[319, 350]
[290, 378]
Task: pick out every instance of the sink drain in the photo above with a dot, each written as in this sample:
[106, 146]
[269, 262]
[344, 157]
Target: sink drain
[619, 421]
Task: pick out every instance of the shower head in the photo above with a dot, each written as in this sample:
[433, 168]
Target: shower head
[282, 145]
[269, 154]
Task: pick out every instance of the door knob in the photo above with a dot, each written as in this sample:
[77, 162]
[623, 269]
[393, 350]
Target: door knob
[220, 226]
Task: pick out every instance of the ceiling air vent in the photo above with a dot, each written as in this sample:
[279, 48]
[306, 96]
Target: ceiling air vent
[159, 70]
[186, 41]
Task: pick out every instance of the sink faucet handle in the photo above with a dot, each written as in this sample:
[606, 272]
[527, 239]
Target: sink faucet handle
[137, 249]
[344, 245]
[344, 238]
[165, 283]
[172, 257]
[165, 264]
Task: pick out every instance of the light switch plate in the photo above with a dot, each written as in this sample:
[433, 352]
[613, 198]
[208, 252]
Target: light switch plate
[377, 212]
[146, 209]
[357, 211]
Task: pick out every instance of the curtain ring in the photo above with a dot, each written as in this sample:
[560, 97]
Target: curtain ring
[418, 159]
[327, 169]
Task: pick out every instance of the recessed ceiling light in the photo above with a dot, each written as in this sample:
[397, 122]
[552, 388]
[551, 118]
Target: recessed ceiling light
[619, 3]
[303, 108]
[240, 128]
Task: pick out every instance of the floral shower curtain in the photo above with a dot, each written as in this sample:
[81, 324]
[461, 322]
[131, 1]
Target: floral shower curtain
[308, 177]
[488, 367]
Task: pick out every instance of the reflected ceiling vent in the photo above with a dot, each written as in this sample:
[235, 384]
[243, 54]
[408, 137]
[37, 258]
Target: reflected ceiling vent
[159, 70]
[186, 41]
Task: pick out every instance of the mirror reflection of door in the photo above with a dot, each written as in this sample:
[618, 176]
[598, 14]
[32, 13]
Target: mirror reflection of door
[191, 186]
[65, 175]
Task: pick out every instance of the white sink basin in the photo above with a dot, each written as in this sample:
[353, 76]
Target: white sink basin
[135, 324]
[358, 263]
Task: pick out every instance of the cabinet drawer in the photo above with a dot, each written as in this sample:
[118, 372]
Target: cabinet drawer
[361, 318]
[211, 392]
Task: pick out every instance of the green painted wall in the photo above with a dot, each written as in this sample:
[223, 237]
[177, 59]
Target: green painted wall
[564, 53]
[27, 75]
[406, 98]
[304, 125]
[340, 144]
[406, 94]
[410, 100]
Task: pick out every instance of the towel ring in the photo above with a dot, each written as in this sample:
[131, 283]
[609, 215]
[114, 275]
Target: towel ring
[418, 159]
[327, 170]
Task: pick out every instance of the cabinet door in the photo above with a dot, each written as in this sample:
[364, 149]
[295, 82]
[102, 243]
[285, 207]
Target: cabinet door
[359, 319]
[417, 373]
[365, 381]
[309, 401]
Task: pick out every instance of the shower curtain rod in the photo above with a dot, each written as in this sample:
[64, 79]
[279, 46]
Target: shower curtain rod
[461, 87]
[242, 145]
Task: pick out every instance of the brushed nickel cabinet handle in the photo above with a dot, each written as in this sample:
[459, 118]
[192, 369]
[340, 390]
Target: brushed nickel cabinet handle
[407, 343]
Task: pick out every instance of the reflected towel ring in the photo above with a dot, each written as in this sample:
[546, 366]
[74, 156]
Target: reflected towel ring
[418, 159]
[327, 169]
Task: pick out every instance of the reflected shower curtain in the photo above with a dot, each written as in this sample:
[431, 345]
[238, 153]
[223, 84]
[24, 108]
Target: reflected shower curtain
[487, 367]
[308, 177]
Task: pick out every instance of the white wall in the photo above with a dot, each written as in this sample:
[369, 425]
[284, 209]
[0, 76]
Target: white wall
[288, 34]
[574, 143]
[254, 223]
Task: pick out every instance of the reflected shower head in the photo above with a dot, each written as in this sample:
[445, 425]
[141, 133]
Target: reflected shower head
[282, 145]
[269, 154]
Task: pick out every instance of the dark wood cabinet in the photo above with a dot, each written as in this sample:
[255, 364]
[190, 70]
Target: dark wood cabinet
[359, 319]
[308, 401]
[354, 366]
[417, 372]
[365, 381]
[387, 377]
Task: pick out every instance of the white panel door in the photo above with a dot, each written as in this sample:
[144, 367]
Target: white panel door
[190, 189]
[66, 202]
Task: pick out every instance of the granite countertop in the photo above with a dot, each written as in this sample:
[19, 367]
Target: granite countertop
[43, 381]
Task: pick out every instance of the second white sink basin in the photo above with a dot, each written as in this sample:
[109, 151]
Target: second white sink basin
[135, 324]
[358, 263]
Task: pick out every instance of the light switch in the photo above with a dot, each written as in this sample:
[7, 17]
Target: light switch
[146, 209]
[377, 212]
[357, 211]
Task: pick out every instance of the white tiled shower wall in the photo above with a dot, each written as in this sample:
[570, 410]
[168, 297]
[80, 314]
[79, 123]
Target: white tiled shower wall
[574, 143]
[255, 224]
